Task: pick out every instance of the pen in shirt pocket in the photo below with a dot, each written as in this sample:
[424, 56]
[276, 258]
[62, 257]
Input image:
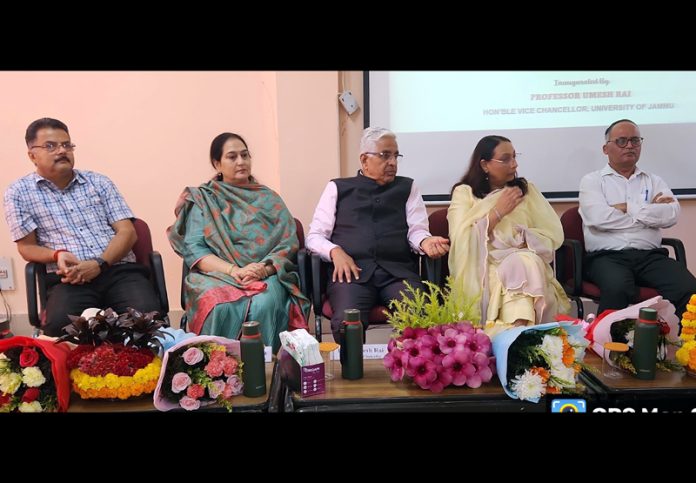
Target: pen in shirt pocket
[646, 195]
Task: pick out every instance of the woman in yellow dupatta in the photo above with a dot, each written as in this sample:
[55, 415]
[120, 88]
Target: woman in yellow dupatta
[503, 236]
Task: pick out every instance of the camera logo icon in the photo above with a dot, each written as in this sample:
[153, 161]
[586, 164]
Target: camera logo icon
[568, 406]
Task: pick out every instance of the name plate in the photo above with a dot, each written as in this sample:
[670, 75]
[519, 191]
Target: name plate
[370, 351]
[374, 351]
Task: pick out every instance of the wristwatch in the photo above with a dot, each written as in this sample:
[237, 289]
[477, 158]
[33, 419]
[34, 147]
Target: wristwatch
[103, 264]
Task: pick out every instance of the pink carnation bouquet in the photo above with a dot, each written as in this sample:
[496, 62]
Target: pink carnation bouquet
[434, 342]
[199, 371]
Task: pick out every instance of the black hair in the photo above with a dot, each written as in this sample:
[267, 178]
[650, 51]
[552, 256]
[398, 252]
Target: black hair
[476, 177]
[43, 123]
[216, 150]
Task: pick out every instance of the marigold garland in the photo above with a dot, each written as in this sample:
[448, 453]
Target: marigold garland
[143, 381]
[688, 321]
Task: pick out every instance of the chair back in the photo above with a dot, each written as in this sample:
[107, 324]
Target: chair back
[142, 247]
[300, 232]
[572, 226]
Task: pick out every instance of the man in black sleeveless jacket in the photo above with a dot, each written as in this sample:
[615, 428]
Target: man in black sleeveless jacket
[372, 227]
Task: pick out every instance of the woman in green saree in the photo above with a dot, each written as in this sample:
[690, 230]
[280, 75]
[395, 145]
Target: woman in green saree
[240, 242]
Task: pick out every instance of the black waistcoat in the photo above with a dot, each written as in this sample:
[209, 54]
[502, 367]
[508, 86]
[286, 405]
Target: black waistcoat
[371, 225]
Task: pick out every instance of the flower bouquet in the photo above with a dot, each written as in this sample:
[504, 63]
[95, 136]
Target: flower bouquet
[540, 359]
[686, 355]
[199, 371]
[115, 355]
[434, 343]
[618, 326]
[688, 321]
[33, 376]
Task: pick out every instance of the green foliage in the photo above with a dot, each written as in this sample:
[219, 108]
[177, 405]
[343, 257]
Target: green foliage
[435, 307]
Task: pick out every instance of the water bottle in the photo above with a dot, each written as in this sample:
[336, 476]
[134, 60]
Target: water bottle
[645, 344]
[352, 347]
[254, 369]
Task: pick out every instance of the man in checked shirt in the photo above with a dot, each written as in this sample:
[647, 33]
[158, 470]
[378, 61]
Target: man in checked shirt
[78, 224]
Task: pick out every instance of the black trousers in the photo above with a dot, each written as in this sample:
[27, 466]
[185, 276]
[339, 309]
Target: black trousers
[618, 273]
[380, 289]
[121, 286]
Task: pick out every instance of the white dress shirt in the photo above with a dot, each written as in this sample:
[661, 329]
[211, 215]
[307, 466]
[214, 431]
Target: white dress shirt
[607, 228]
[318, 238]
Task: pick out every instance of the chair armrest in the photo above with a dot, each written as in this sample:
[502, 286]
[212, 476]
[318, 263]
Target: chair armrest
[318, 288]
[433, 270]
[317, 283]
[158, 278]
[30, 272]
[302, 269]
[575, 274]
[184, 273]
[678, 246]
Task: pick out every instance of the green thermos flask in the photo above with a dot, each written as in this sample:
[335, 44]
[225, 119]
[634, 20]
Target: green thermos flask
[645, 344]
[352, 347]
[254, 368]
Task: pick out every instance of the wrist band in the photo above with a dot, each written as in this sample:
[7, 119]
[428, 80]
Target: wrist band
[497, 213]
[56, 253]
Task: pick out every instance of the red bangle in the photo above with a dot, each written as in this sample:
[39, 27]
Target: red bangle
[55, 254]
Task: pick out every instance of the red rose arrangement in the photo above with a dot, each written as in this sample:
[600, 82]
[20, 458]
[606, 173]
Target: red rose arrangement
[33, 376]
[115, 355]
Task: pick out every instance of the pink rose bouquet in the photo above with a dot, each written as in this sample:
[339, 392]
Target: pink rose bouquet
[199, 371]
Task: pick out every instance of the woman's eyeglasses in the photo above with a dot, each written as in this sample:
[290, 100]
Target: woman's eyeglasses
[506, 160]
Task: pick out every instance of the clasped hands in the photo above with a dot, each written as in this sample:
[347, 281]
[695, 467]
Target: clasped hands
[74, 271]
[250, 273]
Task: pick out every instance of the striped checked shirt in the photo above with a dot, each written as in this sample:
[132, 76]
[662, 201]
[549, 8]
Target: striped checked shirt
[77, 219]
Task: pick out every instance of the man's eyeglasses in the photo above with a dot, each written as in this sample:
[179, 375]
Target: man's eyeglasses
[50, 146]
[506, 160]
[623, 142]
[386, 155]
[232, 155]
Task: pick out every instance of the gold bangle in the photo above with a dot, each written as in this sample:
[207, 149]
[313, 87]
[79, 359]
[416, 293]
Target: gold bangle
[497, 213]
[231, 269]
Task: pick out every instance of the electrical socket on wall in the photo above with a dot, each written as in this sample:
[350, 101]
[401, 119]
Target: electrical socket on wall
[6, 274]
[348, 102]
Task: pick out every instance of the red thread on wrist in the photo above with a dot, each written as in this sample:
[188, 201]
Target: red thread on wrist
[56, 253]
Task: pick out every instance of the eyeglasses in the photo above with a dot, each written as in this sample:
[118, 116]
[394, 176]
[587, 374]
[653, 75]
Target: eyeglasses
[623, 142]
[232, 155]
[51, 146]
[506, 160]
[386, 155]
